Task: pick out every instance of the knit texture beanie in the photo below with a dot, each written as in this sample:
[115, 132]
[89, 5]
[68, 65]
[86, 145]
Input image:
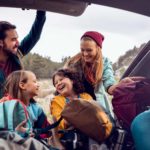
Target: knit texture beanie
[96, 36]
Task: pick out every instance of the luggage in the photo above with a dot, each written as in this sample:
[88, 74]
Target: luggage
[130, 99]
[88, 117]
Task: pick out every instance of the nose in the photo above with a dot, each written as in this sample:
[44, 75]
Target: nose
[85, 53]
[57, 84]
[17, 43]
[38, 85]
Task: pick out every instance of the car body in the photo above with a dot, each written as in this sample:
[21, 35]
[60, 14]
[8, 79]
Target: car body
[140, 65]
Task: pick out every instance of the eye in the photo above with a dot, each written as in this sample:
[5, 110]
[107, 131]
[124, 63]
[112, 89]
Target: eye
[89, 50]
[35, 81]
[82, 50]
[55, 83]
[14, 39]
[61, 79]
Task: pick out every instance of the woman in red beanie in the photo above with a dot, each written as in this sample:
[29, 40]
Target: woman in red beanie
[95, 70]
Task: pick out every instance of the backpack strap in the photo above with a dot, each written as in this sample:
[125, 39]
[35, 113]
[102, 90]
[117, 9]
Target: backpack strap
[55, 124]
[45, 130]
[8, 98]
[2, 79]
[10, 112]
[2, 117]
[26, 113]
[68, 100]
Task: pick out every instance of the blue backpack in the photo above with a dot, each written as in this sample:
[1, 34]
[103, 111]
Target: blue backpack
[12, 113]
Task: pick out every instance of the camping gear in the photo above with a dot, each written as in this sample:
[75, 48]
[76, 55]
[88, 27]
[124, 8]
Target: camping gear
[88, 117]
[130, 99]
[12, 113]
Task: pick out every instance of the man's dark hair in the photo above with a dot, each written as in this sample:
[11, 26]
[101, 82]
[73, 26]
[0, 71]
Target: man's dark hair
[4, 26]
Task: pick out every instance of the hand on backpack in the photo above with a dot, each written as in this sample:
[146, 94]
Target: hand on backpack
[112, 88]
[130, 79]
[21, 129]
[126, 80]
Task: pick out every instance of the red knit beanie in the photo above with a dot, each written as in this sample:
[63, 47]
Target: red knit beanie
[96, 36]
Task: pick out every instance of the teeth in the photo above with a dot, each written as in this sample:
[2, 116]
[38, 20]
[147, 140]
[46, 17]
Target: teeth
[61, 87]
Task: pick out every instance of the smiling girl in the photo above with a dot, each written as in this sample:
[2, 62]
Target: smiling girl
[68, 87]
[23, 85]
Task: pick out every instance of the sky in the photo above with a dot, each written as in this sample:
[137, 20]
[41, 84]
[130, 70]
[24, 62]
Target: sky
[61, 33]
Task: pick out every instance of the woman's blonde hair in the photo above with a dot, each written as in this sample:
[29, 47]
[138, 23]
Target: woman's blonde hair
[94, 73]
[12, 87]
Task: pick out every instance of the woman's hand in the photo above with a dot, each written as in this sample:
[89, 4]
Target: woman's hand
[112, 88]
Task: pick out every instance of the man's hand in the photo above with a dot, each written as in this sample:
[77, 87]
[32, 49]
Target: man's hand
[40, 13]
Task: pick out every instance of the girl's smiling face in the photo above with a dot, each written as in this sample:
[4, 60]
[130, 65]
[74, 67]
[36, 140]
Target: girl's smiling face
[63, 85]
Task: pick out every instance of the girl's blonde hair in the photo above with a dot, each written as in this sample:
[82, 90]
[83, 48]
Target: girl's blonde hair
[12, 87]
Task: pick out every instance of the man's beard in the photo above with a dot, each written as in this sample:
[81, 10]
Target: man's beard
[8, 51]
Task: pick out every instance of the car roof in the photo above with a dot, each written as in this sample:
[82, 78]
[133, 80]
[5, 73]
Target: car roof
[137, 6]
[77, 7]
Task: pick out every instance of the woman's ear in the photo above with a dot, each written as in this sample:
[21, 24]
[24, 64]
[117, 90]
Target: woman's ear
[22, 85]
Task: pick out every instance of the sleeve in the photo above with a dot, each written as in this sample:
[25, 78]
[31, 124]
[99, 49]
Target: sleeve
[108, 74]
[56, 109]
[86, 96]
[33, 36]
[42, 121]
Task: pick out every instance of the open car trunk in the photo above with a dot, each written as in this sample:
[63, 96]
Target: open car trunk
[77, 7]
[69, 7]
